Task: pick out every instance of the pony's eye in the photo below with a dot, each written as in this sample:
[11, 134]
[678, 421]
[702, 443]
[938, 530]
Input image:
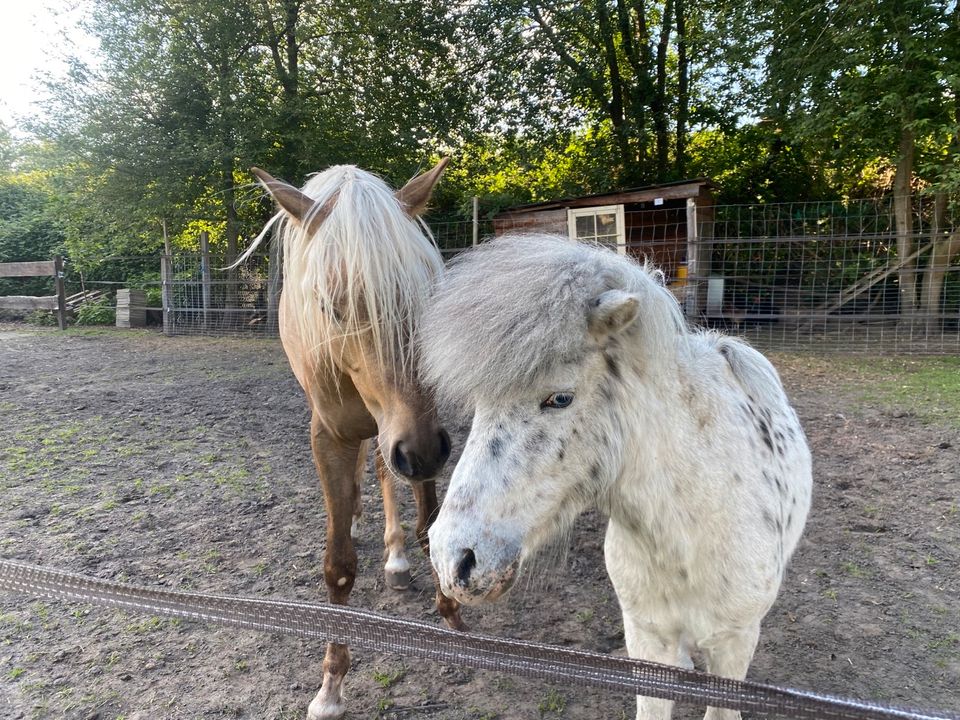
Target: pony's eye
[558, 400]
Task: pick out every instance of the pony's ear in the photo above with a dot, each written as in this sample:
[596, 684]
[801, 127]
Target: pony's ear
[295, 203]
[415, 195]
[611, 312]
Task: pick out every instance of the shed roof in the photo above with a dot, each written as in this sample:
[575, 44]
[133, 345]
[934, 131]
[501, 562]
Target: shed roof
[668, 191]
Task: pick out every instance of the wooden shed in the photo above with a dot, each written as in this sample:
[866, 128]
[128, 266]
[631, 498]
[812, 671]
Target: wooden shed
[669, 224]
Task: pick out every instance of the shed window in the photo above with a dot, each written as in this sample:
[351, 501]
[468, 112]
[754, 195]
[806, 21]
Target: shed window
[602, 224]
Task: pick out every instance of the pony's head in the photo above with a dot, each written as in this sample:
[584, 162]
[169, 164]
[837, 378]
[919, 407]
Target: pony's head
[358, 269]
[541, 340]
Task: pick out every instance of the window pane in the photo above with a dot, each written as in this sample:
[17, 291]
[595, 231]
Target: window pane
[607, 224]
[586, 226]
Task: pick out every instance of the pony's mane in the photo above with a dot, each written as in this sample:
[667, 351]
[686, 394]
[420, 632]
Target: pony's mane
[514, 309]
[370, 267]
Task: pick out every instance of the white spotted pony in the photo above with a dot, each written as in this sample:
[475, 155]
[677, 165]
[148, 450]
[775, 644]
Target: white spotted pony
[587, 389]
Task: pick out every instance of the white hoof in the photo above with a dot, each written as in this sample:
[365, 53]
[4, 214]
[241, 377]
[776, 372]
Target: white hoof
[325, 708]
[396, 571]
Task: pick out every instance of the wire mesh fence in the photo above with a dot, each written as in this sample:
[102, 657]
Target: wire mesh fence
[824, 276]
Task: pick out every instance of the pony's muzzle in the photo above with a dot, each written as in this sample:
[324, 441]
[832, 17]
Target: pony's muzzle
[471, 584]
[421, 461]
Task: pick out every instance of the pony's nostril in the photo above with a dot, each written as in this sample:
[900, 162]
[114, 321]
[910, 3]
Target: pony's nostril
[401, 461]
[467, 562]
[444, 446]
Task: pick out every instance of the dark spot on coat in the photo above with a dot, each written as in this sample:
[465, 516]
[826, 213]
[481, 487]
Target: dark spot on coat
[769, 520]
[737, 479]
[595, 472]
[496, 445]
[606, 392]
[538, 439]
[765, 433]
[560, 455]
[612, 366]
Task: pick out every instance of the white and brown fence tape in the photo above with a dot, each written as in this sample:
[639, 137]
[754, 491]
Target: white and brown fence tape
[371, 631]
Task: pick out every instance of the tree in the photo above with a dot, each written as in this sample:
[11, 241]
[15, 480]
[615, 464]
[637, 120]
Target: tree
[629, 71]
[868, 79]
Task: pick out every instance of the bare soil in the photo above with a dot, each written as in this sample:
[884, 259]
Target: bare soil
[185, 463]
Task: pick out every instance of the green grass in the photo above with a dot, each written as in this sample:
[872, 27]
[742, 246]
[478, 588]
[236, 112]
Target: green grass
[387, 679]
[927, 388]
[554, 702]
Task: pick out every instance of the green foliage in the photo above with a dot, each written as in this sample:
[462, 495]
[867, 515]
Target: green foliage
[755, 163]
[101, 312]
[778, 100]
[29, 229]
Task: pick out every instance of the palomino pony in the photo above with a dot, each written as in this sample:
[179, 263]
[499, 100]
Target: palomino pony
[358, 269]
[587, 389]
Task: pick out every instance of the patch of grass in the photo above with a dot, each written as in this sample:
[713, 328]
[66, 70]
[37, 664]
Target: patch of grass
[388, 679]
[854, 570]
[554, 702]
[211, 560]
[147, 625]
[15, 673]
[928, 388]
[384, 704]
[950, 641]
[584, 616]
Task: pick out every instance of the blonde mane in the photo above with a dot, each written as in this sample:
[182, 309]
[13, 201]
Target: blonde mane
[369, 267]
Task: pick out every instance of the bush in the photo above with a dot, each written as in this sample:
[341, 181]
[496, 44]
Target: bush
[100, 312]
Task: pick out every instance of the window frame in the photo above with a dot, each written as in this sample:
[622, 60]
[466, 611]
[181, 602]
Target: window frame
[594, 210]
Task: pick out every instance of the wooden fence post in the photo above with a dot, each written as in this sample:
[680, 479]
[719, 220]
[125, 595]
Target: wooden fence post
[61, 292]
[476, 221]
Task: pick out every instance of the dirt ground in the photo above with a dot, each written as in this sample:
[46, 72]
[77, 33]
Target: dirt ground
[185, 463]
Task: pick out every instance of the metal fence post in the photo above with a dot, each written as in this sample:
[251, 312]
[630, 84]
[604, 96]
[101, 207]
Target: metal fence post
[166, 292]
[691, 301]
[205, 276]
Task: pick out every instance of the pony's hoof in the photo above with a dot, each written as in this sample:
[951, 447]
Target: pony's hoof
[455, 622]
[398, 579]
[325, 709]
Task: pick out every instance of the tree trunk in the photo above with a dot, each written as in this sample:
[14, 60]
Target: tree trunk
[945, 247]
[903, 214]
[231, 232]
[660, 98]
[683, 91]
[615, 109]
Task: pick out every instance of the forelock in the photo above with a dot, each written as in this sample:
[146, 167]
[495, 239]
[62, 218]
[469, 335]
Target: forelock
[511, 312]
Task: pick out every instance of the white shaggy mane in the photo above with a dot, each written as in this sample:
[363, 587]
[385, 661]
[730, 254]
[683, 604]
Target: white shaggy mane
[369, 267]
[513, 309]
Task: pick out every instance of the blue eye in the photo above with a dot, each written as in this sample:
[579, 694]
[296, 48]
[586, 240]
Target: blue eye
[558, 400]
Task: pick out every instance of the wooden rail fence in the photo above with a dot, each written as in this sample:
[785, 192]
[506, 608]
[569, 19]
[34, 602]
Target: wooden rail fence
[37, 268]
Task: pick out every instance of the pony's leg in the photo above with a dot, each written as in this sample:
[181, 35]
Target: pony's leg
[336, 465]
[425, 494]
[646, 643]
[357, 491]
[396, 568]
[728, 654]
